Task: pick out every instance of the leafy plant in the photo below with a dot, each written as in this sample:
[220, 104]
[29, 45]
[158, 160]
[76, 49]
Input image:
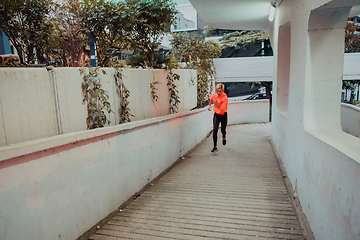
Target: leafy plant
[70, 52]
[142, 61]
[198, 54]
[154, 89]
[122, 91]
[174, 92]
[352, 40]
[237, 41]
[10, 61]
[96, 99]
[110, 23]
[192, 80]
[153, 18]
[174, 100]
[26, 24]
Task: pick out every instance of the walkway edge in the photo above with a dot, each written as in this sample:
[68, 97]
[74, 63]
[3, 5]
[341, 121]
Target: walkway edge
[305, 226]
[101, 223]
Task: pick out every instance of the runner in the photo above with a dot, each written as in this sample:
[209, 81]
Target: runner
[220, 101]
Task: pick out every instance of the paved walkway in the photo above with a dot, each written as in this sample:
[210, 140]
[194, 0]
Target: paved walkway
[236, 193]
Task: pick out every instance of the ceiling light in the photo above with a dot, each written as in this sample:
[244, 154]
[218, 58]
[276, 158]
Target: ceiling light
[272, 13]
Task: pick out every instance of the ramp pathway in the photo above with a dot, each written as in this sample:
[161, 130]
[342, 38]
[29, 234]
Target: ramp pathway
[236, 193]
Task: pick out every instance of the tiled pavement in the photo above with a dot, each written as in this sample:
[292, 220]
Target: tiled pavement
[236, 193]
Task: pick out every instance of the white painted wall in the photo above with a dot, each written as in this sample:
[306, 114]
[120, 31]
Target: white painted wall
[350, 119]
[248, 111]
[27, 105]
[27, 99]
[59, 187]
[141, 102]
[246, 69]
[251, 69]
[321, 160]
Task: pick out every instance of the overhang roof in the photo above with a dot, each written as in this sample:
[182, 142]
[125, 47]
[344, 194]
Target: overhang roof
[240, 14]
[234, 14]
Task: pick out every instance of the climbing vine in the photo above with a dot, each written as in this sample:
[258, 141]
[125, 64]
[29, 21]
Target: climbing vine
[123, 92]
[154, 89]
[96, 99]
[174, 101]
[174, 92]
[196, 53]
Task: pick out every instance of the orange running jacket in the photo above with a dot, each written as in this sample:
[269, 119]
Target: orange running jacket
[223, 102]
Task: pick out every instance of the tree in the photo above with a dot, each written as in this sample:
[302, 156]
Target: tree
[110, 24]
[241, 40]
[26, 24]
[347, 85]
[357, 83]
[351, 85]
[198, 54]
[153, 18]
[209, 31]
[352, 41]
[66, 14]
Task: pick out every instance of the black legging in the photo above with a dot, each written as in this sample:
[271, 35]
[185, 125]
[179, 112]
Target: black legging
[217, 119]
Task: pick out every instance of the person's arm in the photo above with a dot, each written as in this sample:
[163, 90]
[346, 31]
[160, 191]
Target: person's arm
[210, 103]
[224, 105]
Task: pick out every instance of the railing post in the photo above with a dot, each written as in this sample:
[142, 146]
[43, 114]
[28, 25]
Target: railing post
[5, 47]
[92, 51]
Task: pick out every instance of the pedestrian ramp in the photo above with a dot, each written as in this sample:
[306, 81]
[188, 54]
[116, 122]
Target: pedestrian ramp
[235, 193]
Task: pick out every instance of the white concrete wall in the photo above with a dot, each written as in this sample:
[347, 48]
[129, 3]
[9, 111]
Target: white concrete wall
[59, 187]
[27, 99]
[251, 69]
[26, 104]
[350, 119]
[321, 160]
[252, 111]
[246, 69]
[141, 102]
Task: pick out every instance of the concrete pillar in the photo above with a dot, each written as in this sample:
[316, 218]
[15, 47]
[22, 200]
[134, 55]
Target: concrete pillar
[92, 52]
[322, 162]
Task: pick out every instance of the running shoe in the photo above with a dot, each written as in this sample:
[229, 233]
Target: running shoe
[224, 141]
[214, 149]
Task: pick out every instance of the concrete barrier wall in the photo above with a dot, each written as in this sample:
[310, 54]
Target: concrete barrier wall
[59, 187]
[350, 119]
[142, 104]
[27, 99]
[254, 111]
[26, 104]
[253, 69]
[324, 169]
[321, 160]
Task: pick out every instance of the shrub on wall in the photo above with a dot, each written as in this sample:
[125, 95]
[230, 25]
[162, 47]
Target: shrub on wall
[96, 99]
[123, 92]
[196, 53]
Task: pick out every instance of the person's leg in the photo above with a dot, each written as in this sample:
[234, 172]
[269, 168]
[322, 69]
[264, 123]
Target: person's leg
[216, 122]
[223, 128]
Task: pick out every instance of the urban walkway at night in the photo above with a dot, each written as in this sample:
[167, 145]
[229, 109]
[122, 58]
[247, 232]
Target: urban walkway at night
[236, 193]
